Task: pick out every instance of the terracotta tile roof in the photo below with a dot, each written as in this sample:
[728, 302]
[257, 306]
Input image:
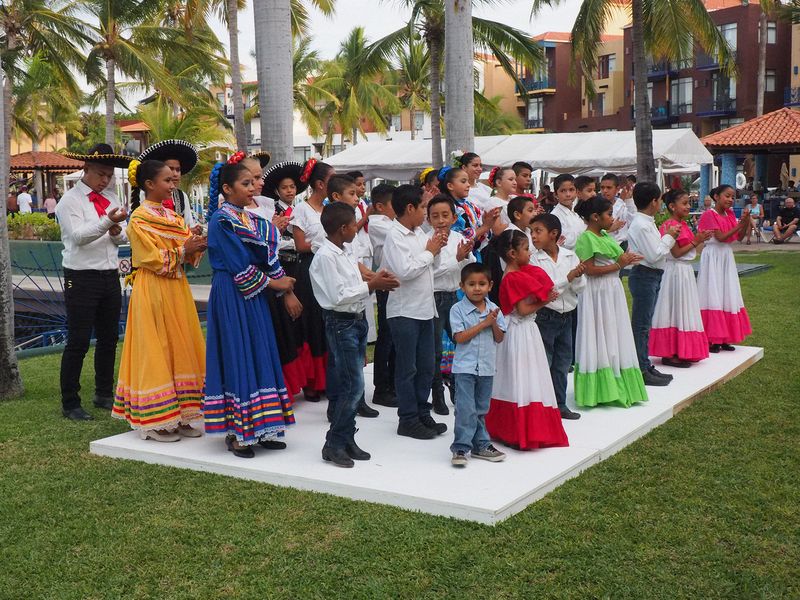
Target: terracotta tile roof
[778, 128]
[553, 36]
[134, 127]
[47, 161]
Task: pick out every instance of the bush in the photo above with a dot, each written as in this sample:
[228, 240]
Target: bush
[33, 226]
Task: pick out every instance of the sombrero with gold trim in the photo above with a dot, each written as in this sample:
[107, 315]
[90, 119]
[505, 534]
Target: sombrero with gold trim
[262, 157]
[102, 154]
[180, 150]
[280, 171]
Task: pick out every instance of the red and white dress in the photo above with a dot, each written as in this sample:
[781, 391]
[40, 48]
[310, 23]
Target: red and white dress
[724, 316]
[523, 411]
[677, 329]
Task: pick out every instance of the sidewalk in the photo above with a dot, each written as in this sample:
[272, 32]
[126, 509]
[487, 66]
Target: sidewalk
[793, 246]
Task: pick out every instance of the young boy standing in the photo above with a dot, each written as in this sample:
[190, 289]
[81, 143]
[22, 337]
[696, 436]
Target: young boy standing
[571, 224]
[521, 211]
[524, 173]
[622, 210]
[342, 293]
[556, 320]
[380, 222]
[410, 254]
[478, 326]
[645, 278]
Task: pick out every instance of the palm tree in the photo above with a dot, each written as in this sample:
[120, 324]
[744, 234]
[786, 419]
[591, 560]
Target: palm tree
[459, 86]
[666, 29]
[510, 46]
[490, 119]
[767, 6]
[412, 80]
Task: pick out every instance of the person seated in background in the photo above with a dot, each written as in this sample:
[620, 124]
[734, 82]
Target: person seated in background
[786, 224]
[756, 212]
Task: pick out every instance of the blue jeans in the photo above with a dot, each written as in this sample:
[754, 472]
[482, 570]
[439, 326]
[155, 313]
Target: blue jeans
[644, 284]
[556, 331]
[413, 367]
[473, 394]
[383, 363]
[347, 346]
[444, 302]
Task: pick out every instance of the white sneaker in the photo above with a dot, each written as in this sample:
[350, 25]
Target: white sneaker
[159, 436]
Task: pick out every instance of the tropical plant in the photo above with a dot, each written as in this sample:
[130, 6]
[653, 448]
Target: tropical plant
[510, 46]
[412, 80]
[664, 29]
[92, 131]
[33, 226]
[490, 119]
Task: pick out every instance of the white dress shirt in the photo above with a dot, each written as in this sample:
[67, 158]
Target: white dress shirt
[644, 239]
[479, 194]
[306, 218]
[336, 280]
[87, 243]
[404, 254]
[447, 274]
[571, 225]
[379, 226]
[264, 208]
[527, 233]
[25, 202]
[495, 202]
[624, 210]
[557, 271]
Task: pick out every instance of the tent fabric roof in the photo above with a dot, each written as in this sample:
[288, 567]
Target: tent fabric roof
[777, 130]
[45, 161]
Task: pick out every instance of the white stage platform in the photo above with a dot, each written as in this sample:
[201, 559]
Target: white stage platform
[417, 475]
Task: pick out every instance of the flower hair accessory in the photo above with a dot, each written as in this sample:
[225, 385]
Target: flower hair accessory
[236, 158]
[132, 167]
[492, 175]
[213, 189]
[455, 159]
[424, 174]
[308, 170]
[443, 173]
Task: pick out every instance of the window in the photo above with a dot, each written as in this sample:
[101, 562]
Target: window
[600, 104]
[221, 99]
[681, 95]
[772, 32]
[395, 122]
[419, 121]
[725, 123]
[729, 32]
[686, 125]
[606, 65]
[770, 80]
[535, 113]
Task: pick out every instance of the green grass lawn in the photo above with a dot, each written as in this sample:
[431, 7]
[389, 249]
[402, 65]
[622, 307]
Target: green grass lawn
[704, 506]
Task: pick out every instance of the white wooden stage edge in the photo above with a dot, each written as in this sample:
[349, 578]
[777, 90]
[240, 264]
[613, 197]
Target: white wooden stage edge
[416, 475]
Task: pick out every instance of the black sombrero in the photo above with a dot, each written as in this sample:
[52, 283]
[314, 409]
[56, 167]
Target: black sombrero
[180, 150]
[102, 154]
[262, 157]
[280, 171]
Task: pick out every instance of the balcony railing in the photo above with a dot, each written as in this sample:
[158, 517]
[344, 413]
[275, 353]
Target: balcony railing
[717, 107]
[534, 123]
[534, 84]
[660, 70]
[706, 62]
[791, 96]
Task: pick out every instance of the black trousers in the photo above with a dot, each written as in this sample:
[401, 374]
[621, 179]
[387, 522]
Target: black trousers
[93, 300]
[383, 362]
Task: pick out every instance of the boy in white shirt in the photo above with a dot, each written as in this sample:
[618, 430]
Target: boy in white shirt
[622, 210]
[342, 293]
[380, 222]
[446, 280]
[571, 224]
[25, 201]
[410, 255]
[556, 320]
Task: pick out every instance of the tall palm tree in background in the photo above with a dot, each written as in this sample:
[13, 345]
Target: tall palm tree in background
[663, 29]
[412, 79]
[491, 119]
[510, 46]
[231, 17]
[458, 82]
[767, 6]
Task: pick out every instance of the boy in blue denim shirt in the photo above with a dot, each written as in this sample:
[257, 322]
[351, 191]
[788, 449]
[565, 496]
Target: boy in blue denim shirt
[478, 326]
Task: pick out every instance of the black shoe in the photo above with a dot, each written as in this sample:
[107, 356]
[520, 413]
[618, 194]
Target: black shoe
[106, 403]
[676, 362]
[439, 406]
[272, 444]
[714, 348]
[356, 453]
[428, 421]
[364, 410]
[727, 347]
[567, 414]
[77, 414]
[658, 373]
[245, 452]
[652, 379]
[387, 399]
[416, 430]
[337, 456]
[312, 395]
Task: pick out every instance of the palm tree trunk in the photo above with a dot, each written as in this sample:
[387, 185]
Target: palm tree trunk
[239, 128]
[354, 139]
[761, 82]
[35, 146]
[412, 113]
[274, 65]
[10, 381]
[111, 100]
[459, 55]
[435, 50]
[645, 163]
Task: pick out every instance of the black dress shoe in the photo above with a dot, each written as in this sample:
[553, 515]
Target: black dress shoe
[654, 380]
[356, 453]
[337, 456]
[676, 362]
[106, 403]
[439, 406]
[714, 348]
[272, 444]
[77, 414]
[387, 399]
[568, 415]
[364, 410]
[428, 421]
[311, 395]
[727, 347]
[416, 430]
[245, 452]
[657, 373]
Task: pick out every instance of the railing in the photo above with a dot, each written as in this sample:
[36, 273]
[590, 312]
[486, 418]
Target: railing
[533, 84]
[534, 123]
[706, 62]
[791, 96]
[717, 107]
[660, 69]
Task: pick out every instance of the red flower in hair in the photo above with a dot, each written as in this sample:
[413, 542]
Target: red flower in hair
[236, 158]
[492, 175]
[307, 170]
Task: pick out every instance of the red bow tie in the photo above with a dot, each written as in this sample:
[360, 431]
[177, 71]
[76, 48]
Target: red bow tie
[101, 203]
[168, 203]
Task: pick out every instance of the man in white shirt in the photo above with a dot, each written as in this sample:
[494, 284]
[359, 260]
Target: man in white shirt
[571, 224]
[623, 209]
[410, 255]
[25, 201]
[645, 278]
[556, 320]
[92, 228]
[343, 296]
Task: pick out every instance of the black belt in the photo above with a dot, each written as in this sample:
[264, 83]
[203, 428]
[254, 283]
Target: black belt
[107, 272]
[344, 315]
[646, 268]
